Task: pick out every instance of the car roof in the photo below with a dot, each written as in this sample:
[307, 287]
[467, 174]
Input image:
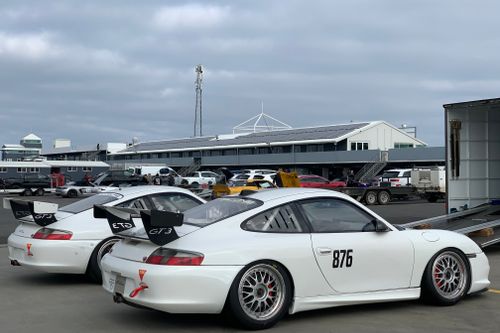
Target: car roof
[147, 189]
[272, 194]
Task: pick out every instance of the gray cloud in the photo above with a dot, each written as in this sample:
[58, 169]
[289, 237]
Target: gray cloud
[93, 71]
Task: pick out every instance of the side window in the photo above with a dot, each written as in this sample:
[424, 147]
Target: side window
[173, 202]
[279, 219]
[137, 203]
[407, 174]
[334, 215]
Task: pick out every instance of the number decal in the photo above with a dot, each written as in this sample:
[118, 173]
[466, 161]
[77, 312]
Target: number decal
[341, 257]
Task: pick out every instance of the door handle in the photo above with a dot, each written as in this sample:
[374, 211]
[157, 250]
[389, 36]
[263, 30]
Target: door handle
[324, 250]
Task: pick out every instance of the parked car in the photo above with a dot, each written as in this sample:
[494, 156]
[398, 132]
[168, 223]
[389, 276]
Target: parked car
[198, 178]
[70, 239]
[31, 183]
[267, 174]
[271, 253]
[237, 186]
[319, 182]
[80, 188]
[119, 178]
[396, 177]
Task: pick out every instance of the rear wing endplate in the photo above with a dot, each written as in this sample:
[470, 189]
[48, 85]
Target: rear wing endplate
[43, 213]
[159, 225]
[119, 219]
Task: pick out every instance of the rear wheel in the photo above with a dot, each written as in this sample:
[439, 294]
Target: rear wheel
[94, 266]
[260, 295]
[384, 197]
[40, 192]
[72, 194]
[446, 278]
[195, 184]
[371, 197]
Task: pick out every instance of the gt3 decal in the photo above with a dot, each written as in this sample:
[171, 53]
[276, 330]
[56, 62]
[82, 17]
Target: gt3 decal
[341, 257]
[159, 225]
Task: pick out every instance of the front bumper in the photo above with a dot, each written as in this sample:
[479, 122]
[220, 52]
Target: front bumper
[173, 289]
[480, 268]
[52, 256]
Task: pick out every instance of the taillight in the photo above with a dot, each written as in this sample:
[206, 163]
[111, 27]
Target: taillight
[174, 258]
[52, 234]
[394, 180]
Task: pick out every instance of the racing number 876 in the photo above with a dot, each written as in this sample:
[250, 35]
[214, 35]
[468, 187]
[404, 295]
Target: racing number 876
[342, 258]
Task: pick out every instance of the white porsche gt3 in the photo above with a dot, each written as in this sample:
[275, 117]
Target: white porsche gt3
[71, 239]
[283, 251]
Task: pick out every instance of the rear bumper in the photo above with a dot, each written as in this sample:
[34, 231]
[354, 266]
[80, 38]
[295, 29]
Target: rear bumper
[52, 256]
[480, 269]
[173, 289]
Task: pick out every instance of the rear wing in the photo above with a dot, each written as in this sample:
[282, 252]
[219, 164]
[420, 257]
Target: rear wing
[43, 213]
[158, 224]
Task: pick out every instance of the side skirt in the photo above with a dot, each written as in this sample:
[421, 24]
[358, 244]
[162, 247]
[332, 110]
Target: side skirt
[321, 302]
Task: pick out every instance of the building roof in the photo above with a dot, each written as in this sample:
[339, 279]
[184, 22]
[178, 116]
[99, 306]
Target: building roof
[110, 147]
[330, 133]
[31, 136]
[48, 164]
[491, 101]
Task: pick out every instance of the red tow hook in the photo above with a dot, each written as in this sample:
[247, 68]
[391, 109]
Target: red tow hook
[136, 291]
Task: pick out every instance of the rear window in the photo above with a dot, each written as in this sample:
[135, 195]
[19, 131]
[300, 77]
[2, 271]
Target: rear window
[88, 203]
[391, 174]
[218, 209]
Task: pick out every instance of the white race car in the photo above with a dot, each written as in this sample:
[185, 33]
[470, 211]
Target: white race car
[282, 251]
[71, 239]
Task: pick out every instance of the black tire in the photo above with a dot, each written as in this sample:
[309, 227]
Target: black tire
[371, 198]
[432, 198]
[384, 197]
[195, 185]
[27, 192]
[94, 265]
[40, 192]
[276, 296]
[72, 194]
[446, 278]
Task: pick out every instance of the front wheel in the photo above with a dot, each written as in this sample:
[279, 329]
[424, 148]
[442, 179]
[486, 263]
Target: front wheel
[446, 278]
[371, 198]
[94, 266]
[260, 295]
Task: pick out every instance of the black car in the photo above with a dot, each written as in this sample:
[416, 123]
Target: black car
[32, 184]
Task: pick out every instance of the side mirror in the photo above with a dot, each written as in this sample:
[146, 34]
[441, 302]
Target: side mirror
[380, 226]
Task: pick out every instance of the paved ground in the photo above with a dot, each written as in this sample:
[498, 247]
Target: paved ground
[38, 302]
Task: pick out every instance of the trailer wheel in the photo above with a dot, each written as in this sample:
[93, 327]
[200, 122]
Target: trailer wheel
[371, 198]
[27, 192]
[40, 192]
[384, 197]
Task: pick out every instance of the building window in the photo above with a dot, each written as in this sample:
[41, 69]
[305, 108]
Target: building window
[72, 169]
[229, 152]
[86, 169]
[175, 155]
[403, 145]
[34, 170]
[359, 145]
[246, 151]
[301, 149]
[22, 170]
[3, 170]
[263, 150]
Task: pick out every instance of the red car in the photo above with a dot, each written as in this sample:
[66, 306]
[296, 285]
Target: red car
[319, 182]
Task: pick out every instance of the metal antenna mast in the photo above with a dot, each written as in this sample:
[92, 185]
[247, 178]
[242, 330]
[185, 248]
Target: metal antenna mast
[198, 106]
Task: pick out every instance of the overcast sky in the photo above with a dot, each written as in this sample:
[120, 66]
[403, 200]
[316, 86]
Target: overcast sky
[108, 71]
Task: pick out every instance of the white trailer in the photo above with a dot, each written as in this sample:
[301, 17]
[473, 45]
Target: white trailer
[472, 171]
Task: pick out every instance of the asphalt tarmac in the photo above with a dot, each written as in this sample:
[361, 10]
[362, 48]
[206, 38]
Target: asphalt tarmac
[33, 301]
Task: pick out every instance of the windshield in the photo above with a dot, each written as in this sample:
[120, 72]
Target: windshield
[218, 209]
[98, 199]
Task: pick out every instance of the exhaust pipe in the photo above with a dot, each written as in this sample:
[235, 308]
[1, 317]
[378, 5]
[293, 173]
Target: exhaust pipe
[117, 298]
[15, 263]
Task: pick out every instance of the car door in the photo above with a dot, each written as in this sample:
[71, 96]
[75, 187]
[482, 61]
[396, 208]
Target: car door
[352, 256]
